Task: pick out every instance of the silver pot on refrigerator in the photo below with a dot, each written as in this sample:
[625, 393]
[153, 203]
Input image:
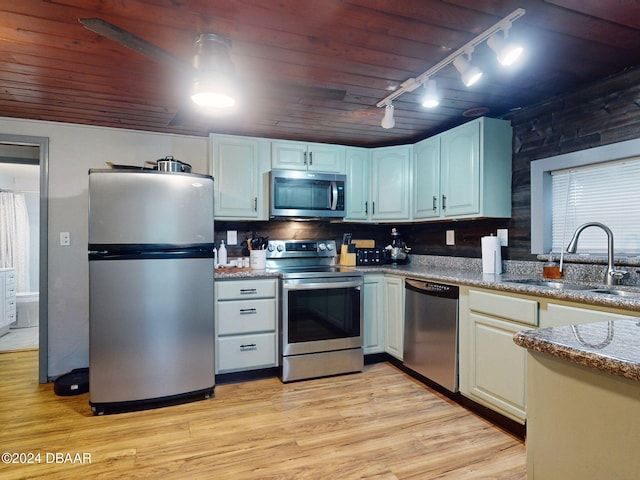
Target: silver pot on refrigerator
[170, 164]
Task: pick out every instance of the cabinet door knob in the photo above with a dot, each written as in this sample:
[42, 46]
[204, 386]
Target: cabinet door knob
[248, 291]
[435, 203]
[444, 202]
[310, 158]
[248, 346]
[248, 311]
[305, 158]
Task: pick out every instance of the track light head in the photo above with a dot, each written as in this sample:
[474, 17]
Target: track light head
[388, 121]
[468, 73]
[431, 97]
[506, 52]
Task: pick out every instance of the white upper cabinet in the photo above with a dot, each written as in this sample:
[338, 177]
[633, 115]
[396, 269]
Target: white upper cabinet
[464, 172]
[319, 157]
[358, 204]
[391, 183]
[460, 170]
[240, 167]
[426, 174]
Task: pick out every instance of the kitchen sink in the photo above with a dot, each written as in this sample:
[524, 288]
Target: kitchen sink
[619, 293]
[551, 284]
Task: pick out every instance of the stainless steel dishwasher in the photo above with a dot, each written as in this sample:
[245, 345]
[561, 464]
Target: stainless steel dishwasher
[431, 331]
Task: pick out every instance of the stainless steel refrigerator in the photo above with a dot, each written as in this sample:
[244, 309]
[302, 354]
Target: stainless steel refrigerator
[151, 310]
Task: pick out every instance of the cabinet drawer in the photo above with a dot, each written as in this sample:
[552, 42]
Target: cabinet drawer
[241, 289]
[10, 278]
[246, 352]
[515, 309]
[246, 316]
[10, 292]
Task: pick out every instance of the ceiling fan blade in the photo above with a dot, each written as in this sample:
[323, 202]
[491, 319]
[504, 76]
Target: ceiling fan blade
[129, 40]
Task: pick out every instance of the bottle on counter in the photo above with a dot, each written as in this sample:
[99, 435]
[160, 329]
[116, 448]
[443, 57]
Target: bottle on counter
[222, 254]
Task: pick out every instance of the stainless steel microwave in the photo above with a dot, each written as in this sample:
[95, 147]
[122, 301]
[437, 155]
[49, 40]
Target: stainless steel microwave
[304, 194]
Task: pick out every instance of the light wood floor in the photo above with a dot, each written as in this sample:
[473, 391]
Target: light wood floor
[380, 424]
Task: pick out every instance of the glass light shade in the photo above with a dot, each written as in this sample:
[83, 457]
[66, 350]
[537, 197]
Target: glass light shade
[468, 73]
[211, 93]
[388, 121]
[507, 53]
[431, 98]
[213, 85]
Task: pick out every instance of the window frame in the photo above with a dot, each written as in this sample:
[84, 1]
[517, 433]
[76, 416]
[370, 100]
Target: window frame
[541, 206]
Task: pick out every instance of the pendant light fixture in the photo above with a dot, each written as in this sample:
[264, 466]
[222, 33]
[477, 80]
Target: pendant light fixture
[214, 81]
[507, 54]
[431, 97]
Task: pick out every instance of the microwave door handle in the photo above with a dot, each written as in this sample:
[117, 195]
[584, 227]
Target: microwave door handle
[334, 195]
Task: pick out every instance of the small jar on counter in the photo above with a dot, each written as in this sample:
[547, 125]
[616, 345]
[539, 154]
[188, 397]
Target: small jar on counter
[551, 270]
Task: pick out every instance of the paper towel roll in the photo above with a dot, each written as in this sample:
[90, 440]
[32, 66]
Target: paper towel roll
[491, 255]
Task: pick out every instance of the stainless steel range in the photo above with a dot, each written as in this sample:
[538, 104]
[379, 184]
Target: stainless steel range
[321, 321]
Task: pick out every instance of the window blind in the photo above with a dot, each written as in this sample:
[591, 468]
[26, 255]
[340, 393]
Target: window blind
[608, 193]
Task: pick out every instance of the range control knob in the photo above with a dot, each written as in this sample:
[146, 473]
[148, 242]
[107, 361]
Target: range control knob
[322, 247]
[280, 247]
[329, 246]
[271, 247]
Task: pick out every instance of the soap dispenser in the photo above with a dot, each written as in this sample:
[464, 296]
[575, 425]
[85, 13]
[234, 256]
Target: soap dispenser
[222, 254]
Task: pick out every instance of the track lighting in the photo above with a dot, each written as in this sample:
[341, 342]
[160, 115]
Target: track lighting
[213, 85]
[431, 97]
[388, 121]
[468, 73]
[507, 53]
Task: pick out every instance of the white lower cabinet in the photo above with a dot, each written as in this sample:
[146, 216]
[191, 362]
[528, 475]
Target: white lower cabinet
[246, 324]
[492, 366]
[394, 315]
[557, 315]
[7, 298]
[374, 325]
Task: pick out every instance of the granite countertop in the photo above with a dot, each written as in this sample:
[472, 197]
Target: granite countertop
[612, 347]
[460, 276]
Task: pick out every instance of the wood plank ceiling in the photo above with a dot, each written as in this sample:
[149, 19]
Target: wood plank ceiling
[309, 69]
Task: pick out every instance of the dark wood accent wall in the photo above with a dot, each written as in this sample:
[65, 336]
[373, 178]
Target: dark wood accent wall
[605, 112]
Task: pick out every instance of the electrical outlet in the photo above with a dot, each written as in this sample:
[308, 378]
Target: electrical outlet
[451, 237]
[503, 235]
[65, 239]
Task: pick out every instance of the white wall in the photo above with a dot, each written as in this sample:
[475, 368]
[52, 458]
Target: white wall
[73, 150]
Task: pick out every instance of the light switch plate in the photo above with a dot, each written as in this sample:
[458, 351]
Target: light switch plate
[451, 237]
[232, 237]
[503, 235]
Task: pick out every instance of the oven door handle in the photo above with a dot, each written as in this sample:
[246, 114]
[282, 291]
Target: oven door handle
[317, 285]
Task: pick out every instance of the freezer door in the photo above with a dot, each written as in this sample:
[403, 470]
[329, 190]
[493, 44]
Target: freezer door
[151, 328]
[149, 207]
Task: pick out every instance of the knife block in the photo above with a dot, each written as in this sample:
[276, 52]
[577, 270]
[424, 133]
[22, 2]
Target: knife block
[348, 258]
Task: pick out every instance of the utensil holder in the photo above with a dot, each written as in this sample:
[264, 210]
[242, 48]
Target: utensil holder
[258, 259]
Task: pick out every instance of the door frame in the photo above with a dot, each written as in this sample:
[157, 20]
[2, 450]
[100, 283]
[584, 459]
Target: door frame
[43, 144]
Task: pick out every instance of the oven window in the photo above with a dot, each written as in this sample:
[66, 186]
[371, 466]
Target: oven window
[323, 314]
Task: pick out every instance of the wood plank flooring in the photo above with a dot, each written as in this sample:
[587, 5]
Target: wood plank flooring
[380, 424]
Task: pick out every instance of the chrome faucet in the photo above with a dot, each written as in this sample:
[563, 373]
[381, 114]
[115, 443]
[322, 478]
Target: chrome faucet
[612, 276]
